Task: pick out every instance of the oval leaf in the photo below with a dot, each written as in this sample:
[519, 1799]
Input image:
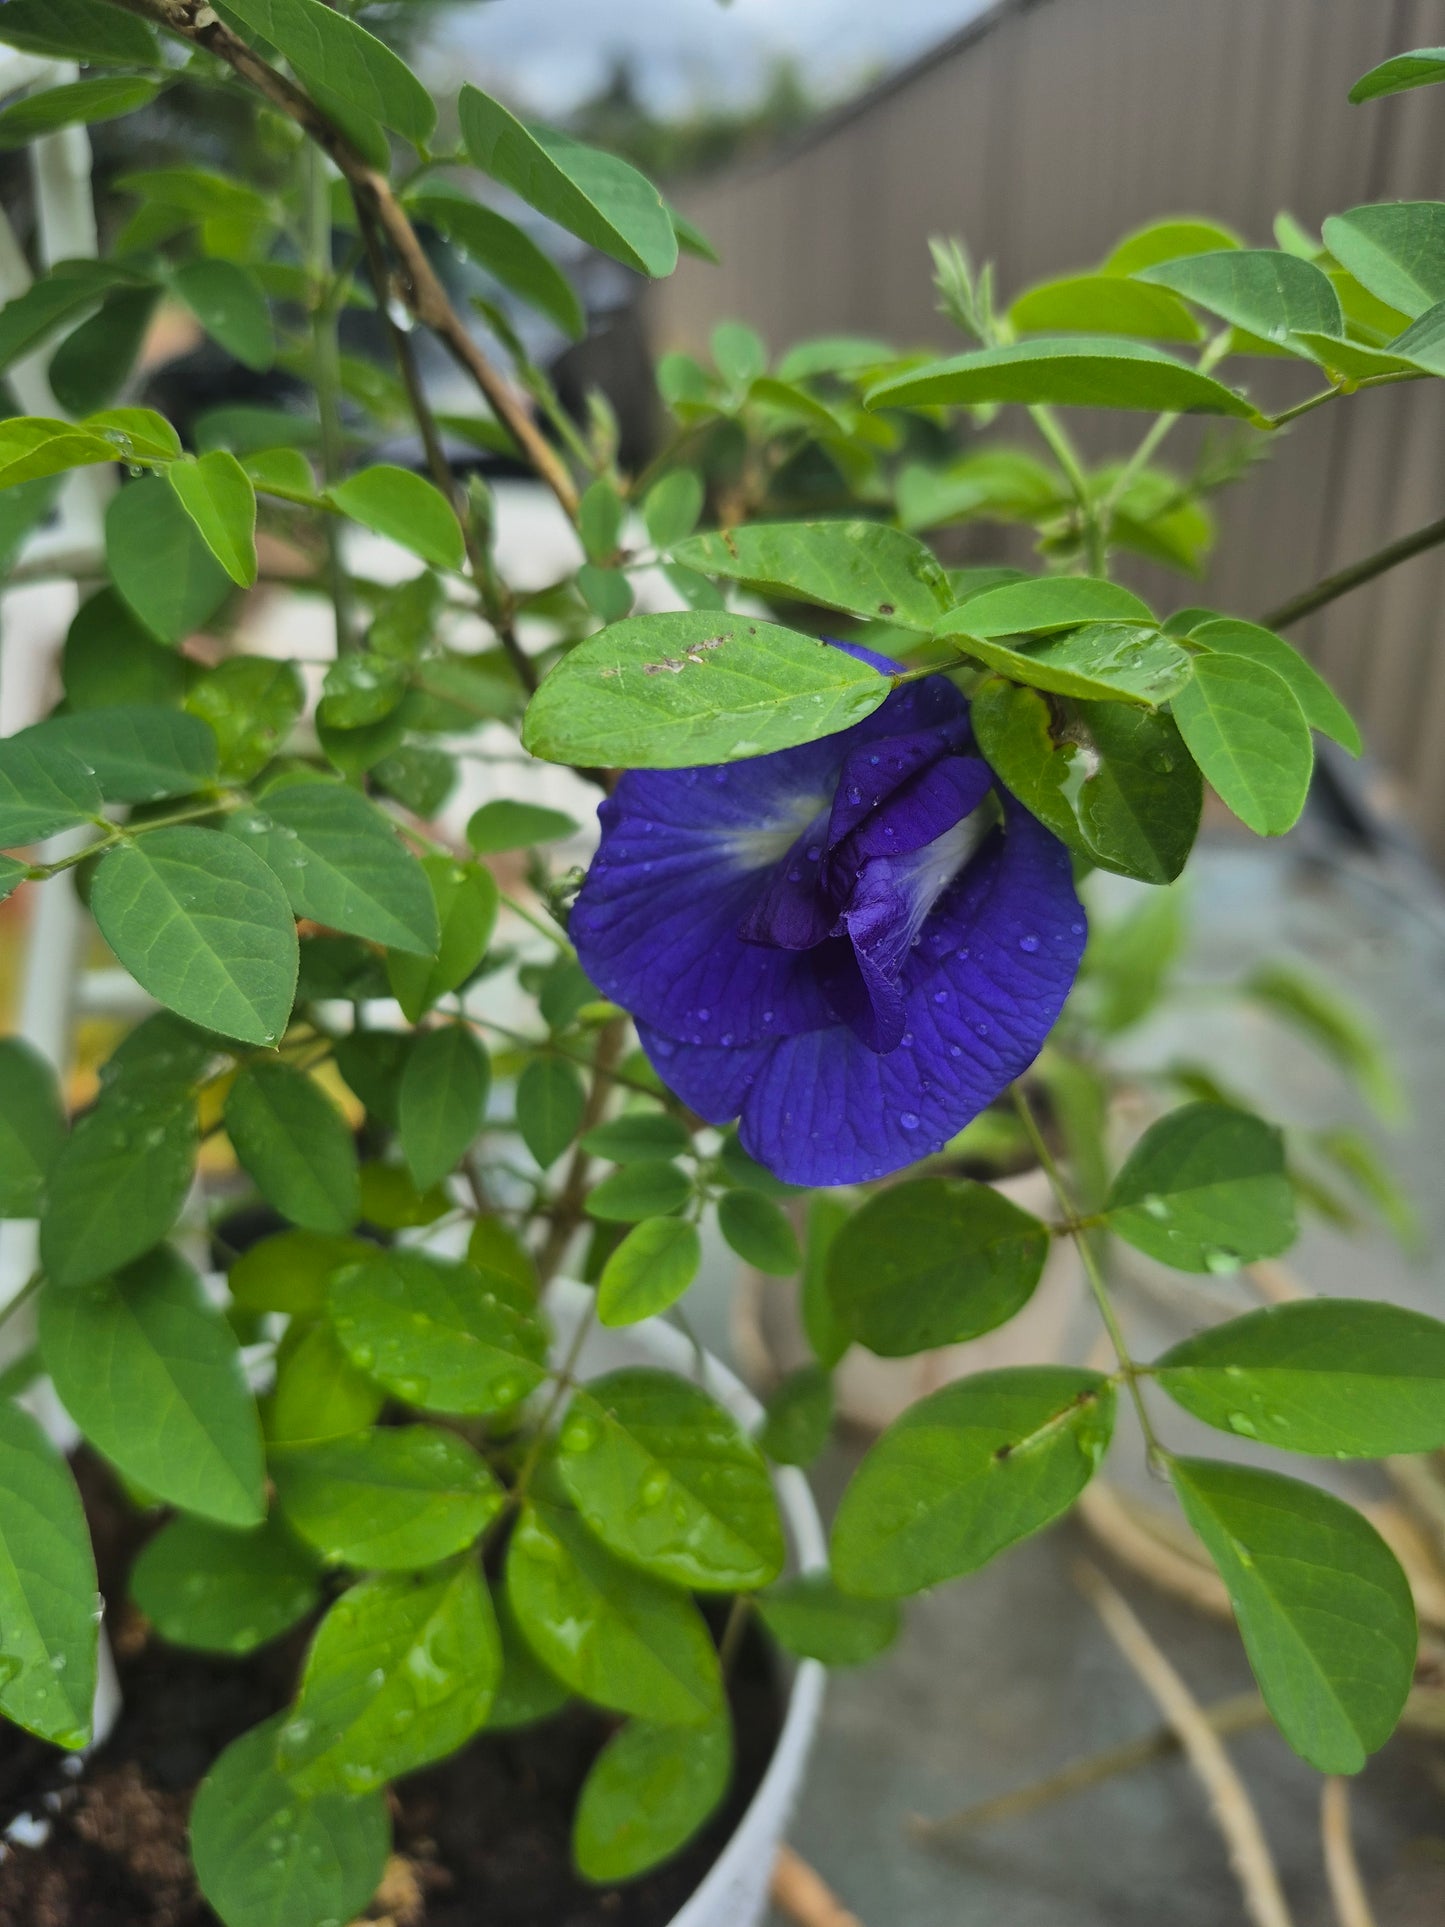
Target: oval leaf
[649, 1270]
[344, 58]
[646, 1794]
[216, 492]
[1091, 371]
[1248, 734]
[296, 1145]
[394, 1498]
[32, 1126]
[1205, 1189]
[674, 691]
[863, 568]
[216, 1591]
[47, 1588]
[1267, 292]
[443, 1094]
[407, 509]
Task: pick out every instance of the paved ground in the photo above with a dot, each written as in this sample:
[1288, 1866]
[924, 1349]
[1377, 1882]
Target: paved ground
[1004, 1677]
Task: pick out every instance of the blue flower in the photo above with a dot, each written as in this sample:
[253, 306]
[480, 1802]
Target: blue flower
[854, 946]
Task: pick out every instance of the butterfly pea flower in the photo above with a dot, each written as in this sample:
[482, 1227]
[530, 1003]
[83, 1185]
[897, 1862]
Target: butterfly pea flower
[852, 947]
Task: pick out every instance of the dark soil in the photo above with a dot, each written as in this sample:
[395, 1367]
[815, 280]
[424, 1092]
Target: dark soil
[480, 1841]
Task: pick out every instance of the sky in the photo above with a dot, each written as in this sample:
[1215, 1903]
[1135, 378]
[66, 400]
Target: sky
[551, 54]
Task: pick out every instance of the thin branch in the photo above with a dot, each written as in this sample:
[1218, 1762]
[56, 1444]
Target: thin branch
[1235, 1715]
[418, 283]
[1234, 1812]
[1355, 576]
[567, 1213]
[1347, 1890]
[804, 1897]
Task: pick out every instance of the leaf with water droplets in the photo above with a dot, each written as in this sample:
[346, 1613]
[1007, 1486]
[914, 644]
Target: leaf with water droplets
[443, 1096]
[297, 1146]
[650, 1270]
[151, 1372]
[646, 1794]
[394, 1498]
[32, 1126]
[218, 1591]
[203, 925]
[117, 1183]
[967, 1472]
[1205, 1189]
[439, 1335]
[1334, 1376]
[401, 1672]
[43, 788]
[47, 1588]
[611, 1633]
[264, 1857]
[1324, 1610]
[667, 1478]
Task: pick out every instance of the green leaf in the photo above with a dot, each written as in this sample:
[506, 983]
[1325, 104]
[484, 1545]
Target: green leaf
[443, 1336]
[1260, 289]
[318, 1394]
[44, 788]
[646, 1795]
[1101, 371]
[202, 924]
[500, 826]
[250, 703]
[341, 862]
[652, 1188]
[151, 1373]
[94, 362]
[158, 560]
[263, 1858]
[32, 1126]
[671, 507]
[1322, 708]
[864, 568]
[12, 874]
[1245, 729]
[118, 1182]
[933, 1262]
[1114, 781]
[112, 661]
[288, 1272]
[1396, 250]
[1422, 344]
[1338, 1377]
[507, 252]
[394, 1498]
[347, 60]
[216, 492]
[1421, 67]
[614, 1635]
[637, 1136]
[47, 1588]
[550, 1106]
[391, 1202]
[85, 30]
[297, 1146]
[33, 446]
[799, 1417]
[967, 1472]
[673, 691]
[1205, 1190]
[526, 1692]
[139, 753]
[1103, 661]
[218, 1591]
[650, 1270]
[1333, 1026]
[83, 101]
[407, 509]
[1166, 240]
[466, 908]
[669, 1481]
[593, 195]
[359, 690]
[759, 1233]
[1129, 960]
[401, 1672]
[1040, 604]
[443, 1095]
[1102, 304]
[1324, 1610]
[813, 1620]
[27, 319]
[231, 306]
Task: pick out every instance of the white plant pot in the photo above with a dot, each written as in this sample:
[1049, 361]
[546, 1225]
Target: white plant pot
[735, 1890]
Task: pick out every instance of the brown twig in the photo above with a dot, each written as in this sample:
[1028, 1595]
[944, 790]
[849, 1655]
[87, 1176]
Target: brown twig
[567, 1212]
[1235, 1715]
[1355, 576]
[1347, 1890]
[1234, 1812]
[1129, 1534]
[804, 1896]
[418, 284]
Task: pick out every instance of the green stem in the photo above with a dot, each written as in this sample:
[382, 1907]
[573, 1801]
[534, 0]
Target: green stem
[1213, 353]
[326, 370]
[1092, 1271]
[1355, 576]
[1311, 402]
[125, 832]
[22, 1297]
[1067, 457]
